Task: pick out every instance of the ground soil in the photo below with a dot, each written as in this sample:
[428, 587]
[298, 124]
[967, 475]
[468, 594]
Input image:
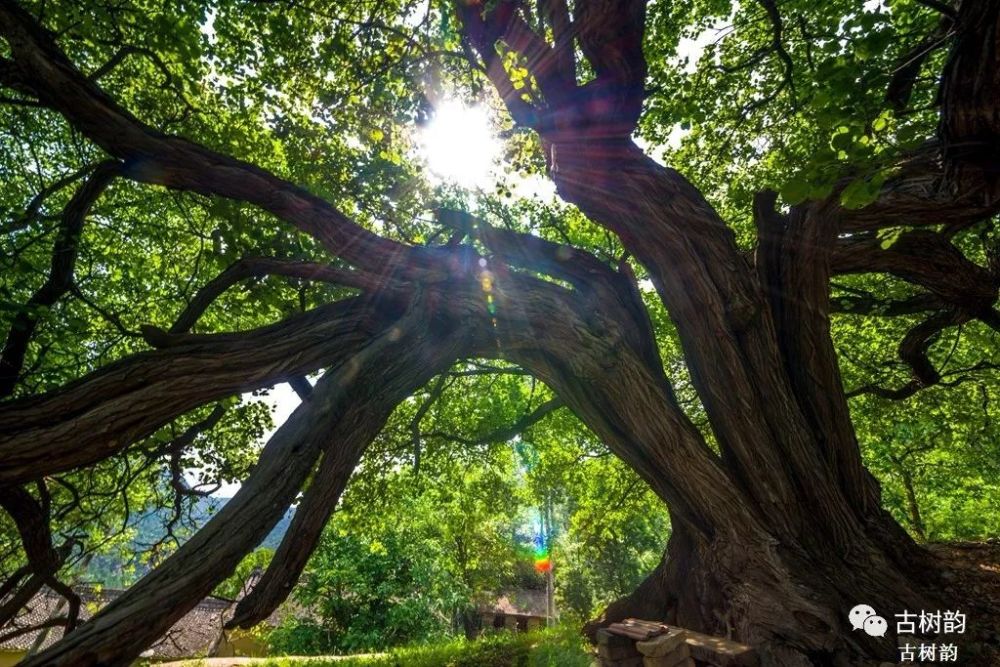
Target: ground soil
[971, 574]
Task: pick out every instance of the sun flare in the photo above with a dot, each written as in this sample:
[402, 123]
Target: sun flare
[459, 145]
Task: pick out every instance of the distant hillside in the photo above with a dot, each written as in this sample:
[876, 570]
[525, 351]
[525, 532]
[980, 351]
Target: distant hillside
[125, 565]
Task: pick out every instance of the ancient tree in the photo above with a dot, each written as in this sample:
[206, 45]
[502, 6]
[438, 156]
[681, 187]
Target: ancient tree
[778, 528]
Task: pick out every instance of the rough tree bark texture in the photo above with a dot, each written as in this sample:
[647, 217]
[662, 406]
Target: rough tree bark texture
[114, 406]
[774, 539]
[345, 411]
[804, 530]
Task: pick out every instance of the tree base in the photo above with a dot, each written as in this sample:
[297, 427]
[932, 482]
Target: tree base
[790, 605]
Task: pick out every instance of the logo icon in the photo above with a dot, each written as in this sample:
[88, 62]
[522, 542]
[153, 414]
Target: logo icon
[859, 615]
[863, 617]
[875, 626]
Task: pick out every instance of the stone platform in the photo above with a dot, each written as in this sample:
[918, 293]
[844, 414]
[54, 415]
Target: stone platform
[637, 643]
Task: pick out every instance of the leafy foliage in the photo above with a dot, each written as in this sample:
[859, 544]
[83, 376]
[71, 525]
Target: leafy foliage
[332, 97]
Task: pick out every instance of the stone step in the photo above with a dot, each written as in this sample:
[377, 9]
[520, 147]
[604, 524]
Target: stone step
[661, 645]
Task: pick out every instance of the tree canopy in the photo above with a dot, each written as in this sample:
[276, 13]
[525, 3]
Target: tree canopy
[732, 282]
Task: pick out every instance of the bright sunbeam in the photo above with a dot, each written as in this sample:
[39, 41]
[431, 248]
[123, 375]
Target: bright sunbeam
[459, 146]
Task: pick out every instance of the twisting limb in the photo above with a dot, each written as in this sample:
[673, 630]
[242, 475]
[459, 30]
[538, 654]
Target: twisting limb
[919, 195]
[483, 31]
[256, 267]
[565, 262]
[154, 157]
[691, 255]
[318, 504]
[60, 276]
[109, 409]
[926, 259]
[913, 351]
[125, 52]
[777, 47]
[348, 407]
[556, 14]
[32, 520]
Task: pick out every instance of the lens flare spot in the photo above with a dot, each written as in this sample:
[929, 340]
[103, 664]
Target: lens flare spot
[460, 146]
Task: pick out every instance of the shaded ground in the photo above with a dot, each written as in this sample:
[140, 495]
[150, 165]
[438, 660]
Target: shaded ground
[971, 583]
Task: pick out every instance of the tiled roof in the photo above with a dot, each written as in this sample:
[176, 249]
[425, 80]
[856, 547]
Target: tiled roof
[193, 635]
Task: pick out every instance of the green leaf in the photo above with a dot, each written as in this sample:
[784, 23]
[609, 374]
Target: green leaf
[796, 190]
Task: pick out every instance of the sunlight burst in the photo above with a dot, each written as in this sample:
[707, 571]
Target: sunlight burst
[459, 145]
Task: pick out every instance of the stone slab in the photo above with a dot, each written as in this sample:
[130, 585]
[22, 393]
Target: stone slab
[720, 652]
[663, 644]
[617, 652]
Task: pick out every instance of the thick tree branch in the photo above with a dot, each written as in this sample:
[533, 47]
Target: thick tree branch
[507, 433]
[32, 520]
[482, 30]
[154, 157]
[913, 351]
[792, 259]
[301, 386]
[125, 52]
[920, 195]
[610, 36]
[579, 268]
[556, 14]
[349, 403]
[11, 77]
[926, 259]
[109, 409]
[319, 502]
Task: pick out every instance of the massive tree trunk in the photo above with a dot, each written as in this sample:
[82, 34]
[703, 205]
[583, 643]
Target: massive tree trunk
[756, 529]
[775, 537]
[801, 537]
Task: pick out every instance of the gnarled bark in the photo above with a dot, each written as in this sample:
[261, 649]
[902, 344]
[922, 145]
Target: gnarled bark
[776, 537]
[346, 409]
[113, 407]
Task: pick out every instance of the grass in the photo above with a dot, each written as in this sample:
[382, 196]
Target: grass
[555, 647]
